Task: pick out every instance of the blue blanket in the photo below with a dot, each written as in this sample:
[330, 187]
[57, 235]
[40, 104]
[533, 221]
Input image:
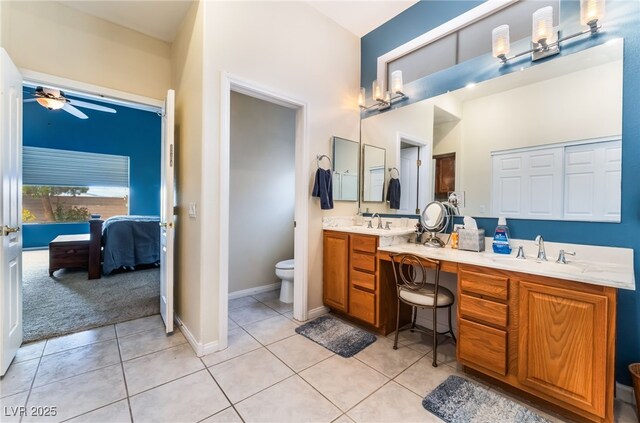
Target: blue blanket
[129, 241]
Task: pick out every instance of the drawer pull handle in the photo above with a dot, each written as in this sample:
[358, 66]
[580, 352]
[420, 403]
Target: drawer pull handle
[71, 251]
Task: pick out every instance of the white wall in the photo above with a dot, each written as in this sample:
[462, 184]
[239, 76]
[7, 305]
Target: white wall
[289, 48]
[262, 190]
[580, 105]
[48, 37]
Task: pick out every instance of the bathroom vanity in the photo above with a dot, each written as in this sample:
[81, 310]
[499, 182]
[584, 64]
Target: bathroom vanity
[546, 329]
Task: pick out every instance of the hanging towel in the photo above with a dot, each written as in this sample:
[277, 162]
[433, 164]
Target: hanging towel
[323, 188]
[393, 193]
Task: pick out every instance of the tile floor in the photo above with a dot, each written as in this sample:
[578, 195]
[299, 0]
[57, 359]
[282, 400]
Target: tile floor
[134, 372]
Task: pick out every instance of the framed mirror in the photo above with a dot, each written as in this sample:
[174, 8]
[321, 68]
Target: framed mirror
[373, 173]
[346, 160]
[543, 143]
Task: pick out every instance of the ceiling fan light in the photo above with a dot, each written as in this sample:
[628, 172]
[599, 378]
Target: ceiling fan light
[50, 103]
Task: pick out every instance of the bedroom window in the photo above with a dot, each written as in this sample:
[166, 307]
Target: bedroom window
[69, 186]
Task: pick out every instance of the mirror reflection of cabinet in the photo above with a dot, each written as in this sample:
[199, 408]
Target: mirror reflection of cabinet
[373, 172]
[346, 155]
[445, 178]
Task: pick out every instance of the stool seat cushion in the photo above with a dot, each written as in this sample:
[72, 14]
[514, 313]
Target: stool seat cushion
[424, 296]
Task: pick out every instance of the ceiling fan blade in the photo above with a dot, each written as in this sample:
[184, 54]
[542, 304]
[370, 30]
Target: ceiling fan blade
[72, 110]
[29, 100]
[92, 106]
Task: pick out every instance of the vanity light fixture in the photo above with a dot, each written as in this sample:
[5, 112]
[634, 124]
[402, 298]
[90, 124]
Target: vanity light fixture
[384, 100]
[544, 38]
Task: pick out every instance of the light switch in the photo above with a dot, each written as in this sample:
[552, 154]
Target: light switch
[193, 211]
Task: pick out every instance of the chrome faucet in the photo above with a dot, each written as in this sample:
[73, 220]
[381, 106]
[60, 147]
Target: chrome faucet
[542, 254]
[562, 256]
[379, 219]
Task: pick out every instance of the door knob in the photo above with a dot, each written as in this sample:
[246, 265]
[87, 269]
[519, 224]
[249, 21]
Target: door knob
[6, 230]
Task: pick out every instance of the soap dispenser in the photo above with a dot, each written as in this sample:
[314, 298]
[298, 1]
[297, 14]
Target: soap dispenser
[501, 238]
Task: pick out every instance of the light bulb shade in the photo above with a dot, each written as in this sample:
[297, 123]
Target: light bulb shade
[50, 103]
[500, 41]
[542, 29]
[387, 97]
[591, 11]
[362, 98]
[396, 82]
[376, 90]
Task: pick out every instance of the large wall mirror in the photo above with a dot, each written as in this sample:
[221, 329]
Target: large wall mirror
[346, 155]
[373, 173]
[543, 143]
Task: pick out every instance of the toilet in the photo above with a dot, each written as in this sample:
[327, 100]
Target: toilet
[284, 270]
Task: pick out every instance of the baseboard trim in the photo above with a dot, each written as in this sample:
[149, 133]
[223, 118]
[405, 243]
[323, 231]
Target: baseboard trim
[317, 312]
[198, 347]
[625, 393]
[254, 291]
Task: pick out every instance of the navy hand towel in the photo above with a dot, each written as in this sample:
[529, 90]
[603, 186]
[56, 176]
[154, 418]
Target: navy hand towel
[323, 188]
[393, 193]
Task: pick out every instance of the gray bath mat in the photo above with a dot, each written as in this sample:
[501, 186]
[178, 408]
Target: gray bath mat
[336, 336]
[461, 400]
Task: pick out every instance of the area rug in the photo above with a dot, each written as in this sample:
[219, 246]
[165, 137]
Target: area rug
[460, 400]
[336, 336]
[69, 302]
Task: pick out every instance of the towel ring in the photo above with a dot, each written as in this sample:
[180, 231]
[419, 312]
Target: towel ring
[391, 169]
[323, 156]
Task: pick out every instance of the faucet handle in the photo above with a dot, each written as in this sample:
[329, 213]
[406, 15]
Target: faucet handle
[370, 225]
[561, 256]
[521, 253]
[388, 225]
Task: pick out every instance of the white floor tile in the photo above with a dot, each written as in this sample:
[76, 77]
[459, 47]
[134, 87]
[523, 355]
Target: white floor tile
[139, 325]
[154, 369]
[391, 403]
[625, 412]
[80, 339]
[142, 343]
[228, 415]
[79, 394]
[291, 400]
[299, 352]
[343, 419]
[423, 378]
[344, 381]
[18, 378]
[241, 302]
[231, 324]
[381, 356]
[10, 407]
[446, 353]
[117, 412]
[243, 376]
[238, 342]
[267, 296]
[278, 305]
[272, 330]
[29, 351]
[189, 399]
[418, 341]
[79, 360]
[251, 314]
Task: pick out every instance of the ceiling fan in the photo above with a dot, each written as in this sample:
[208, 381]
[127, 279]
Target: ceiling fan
[54, 99]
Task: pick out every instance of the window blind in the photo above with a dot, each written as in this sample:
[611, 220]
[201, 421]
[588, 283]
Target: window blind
[52, 167]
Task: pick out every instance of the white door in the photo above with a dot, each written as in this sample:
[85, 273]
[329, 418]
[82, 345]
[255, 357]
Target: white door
[10, 210]
[409, 180]
[167, 224]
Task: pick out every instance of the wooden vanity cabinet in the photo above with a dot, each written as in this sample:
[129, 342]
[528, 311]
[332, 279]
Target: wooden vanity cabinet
[351, 281]
[553, 339]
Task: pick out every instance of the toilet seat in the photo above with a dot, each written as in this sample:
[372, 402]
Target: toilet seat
[285, 264]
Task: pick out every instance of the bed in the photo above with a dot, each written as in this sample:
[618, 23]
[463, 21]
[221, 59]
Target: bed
[127, 241]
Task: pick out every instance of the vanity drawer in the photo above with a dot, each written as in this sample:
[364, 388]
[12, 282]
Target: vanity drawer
[484, 284]
[482, 310]
[483, 346]
[362, 305]
[363, 280]
[366, 262]
[367, 244]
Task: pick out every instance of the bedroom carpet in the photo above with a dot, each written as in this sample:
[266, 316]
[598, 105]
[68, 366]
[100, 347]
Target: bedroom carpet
[69, 302]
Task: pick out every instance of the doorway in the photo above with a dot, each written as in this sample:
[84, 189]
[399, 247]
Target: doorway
[231, 86]
[416, 175]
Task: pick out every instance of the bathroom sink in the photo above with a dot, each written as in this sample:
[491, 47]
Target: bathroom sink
[380, 232]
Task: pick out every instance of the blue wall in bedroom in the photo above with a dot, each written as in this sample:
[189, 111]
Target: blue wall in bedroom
[622, 20]
[129, 132]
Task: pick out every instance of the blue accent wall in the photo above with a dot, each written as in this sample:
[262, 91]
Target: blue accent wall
[622, 20]
[129, 132]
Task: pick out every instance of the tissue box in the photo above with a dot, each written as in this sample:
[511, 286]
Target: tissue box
[471, 239]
